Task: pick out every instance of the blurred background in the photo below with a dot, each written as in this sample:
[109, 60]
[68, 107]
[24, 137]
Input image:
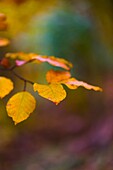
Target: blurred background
[78, 133]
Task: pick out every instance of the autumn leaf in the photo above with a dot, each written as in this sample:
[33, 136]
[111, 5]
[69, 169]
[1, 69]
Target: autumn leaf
[3, 24]
[20, 106]
[53, 76]
[6, 86]
[73, 83]
[2, 17]
[5, 62]
[52, 92]
[63, 77]
[20, 62]
[58, 62]
[70, 83]
[20, 56]
[4, 42]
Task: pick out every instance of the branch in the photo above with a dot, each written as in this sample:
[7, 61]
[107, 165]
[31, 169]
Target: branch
[11, 69]
[21, 78]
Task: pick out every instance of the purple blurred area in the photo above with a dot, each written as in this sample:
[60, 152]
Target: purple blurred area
[78, 133]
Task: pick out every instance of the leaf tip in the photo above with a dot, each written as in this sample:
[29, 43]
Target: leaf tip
[97, 88]
[56, 103]
[100, 89]
[15, 123]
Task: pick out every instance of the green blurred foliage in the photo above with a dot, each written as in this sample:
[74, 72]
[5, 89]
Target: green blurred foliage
[77, 30]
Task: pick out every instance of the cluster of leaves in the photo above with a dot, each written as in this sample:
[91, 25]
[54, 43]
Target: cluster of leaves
[20, 105]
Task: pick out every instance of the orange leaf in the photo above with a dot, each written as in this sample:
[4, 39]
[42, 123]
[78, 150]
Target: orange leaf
[53, 76]
[52, 92]
[4, 42]
[3, 26]
[63, 77]
[2, 17]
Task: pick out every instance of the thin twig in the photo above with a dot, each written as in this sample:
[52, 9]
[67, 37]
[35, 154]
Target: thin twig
[21, 78]
[25, 83]
[13, 67]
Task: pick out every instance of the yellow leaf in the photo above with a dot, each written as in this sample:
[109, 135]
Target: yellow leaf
[53, 76]
[20, 106]
[22, 58]
[20, 55]
[52, 92]
[6, 86]
[73, 83]
[4, 42]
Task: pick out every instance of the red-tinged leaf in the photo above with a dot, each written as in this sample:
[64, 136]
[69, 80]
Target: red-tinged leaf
[5, 63]
[20, 62]
[59, 62]
[73, 83]
[70, 83]
[22, 58]
[53, 76]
